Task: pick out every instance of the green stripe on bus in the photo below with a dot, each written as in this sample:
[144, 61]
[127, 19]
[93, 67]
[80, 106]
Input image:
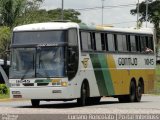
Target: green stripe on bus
[99, 75]
[106, 74]
[102, 74]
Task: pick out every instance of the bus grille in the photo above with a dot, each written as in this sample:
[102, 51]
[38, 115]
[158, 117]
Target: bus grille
[28, 84]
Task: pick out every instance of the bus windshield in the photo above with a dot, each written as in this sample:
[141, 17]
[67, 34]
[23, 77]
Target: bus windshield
[38, 37]
[43, 62]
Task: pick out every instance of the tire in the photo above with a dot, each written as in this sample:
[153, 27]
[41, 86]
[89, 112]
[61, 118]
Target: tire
[132, 95]
[122, 99]
[139, 92]
[35, 103]
[94, 100]
[84, 99]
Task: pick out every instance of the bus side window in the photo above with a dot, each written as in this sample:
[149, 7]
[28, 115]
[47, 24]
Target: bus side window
[72, 53]
[143, 43]
[133, 43]
[128, 43]
[106, 41]
[103, 42]
[121, 43]
[86, 41]
[150, 43]
[72, 38]
[98, 41]
[138, 43]
[111, 42]
[93, 41]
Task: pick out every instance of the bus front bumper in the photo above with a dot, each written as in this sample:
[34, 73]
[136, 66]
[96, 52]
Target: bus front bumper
[42, 93]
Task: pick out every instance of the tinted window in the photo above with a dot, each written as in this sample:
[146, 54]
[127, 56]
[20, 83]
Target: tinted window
[133, 43]
[86, 41]
[72, 37]
[39, 37]
[143, 43]
[138, 43]
[111, 42]
[103, 41]
[98, 42]
[122, 45]
[150, 43]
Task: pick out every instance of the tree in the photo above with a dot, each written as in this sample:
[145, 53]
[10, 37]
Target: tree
[42, 15]
[69, 14]
[10, 10]
[5, 36]
[153, 15]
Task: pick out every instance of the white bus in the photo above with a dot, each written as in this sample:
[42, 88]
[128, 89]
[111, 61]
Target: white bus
[67, 61]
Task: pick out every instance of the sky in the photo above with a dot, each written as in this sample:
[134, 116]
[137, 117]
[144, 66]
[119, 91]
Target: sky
[116, 16]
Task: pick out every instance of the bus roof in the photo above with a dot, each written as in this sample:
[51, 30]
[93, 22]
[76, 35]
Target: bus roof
[66, 25]
[130, 30]
[46, 26]
[122, 30]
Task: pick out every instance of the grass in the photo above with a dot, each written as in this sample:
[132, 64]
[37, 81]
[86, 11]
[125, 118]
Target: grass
[157, 81]
[4, 96]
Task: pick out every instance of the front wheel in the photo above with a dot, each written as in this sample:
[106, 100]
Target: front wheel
[94, 100]
[132, 95]
[83, 100]
[35, 103]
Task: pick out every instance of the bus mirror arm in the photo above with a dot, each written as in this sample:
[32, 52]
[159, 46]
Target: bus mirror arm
[7, 51]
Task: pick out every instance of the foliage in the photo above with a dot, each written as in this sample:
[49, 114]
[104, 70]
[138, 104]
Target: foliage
[5, 36]
[18, 12]
[69, 14]
[3, 89]
[153, 14]
[10, 10]
[43, 15]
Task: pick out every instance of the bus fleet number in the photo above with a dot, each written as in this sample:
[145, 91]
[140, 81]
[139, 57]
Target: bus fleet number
[149, 61]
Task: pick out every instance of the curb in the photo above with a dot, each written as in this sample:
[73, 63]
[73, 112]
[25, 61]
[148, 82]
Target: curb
[12, 100]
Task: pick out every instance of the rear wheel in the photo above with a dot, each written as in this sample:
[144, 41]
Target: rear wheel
[35, 103]
[122, 98]
[132, 94]
[84, 99]
[139, 92]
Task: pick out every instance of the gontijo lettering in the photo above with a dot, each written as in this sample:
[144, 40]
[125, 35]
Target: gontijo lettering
[128, 61]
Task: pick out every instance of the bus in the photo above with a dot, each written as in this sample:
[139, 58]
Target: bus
[62, 61]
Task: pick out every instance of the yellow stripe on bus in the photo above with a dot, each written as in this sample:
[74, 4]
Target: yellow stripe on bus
[121, 77]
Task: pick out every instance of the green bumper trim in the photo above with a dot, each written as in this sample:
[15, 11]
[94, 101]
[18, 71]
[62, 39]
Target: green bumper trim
[43, 81]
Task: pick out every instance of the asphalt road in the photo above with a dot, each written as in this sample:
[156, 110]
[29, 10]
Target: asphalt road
[149, 104]
[22, 110]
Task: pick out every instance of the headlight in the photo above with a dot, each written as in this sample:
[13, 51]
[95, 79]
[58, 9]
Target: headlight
[64, 84]
[58, 82]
